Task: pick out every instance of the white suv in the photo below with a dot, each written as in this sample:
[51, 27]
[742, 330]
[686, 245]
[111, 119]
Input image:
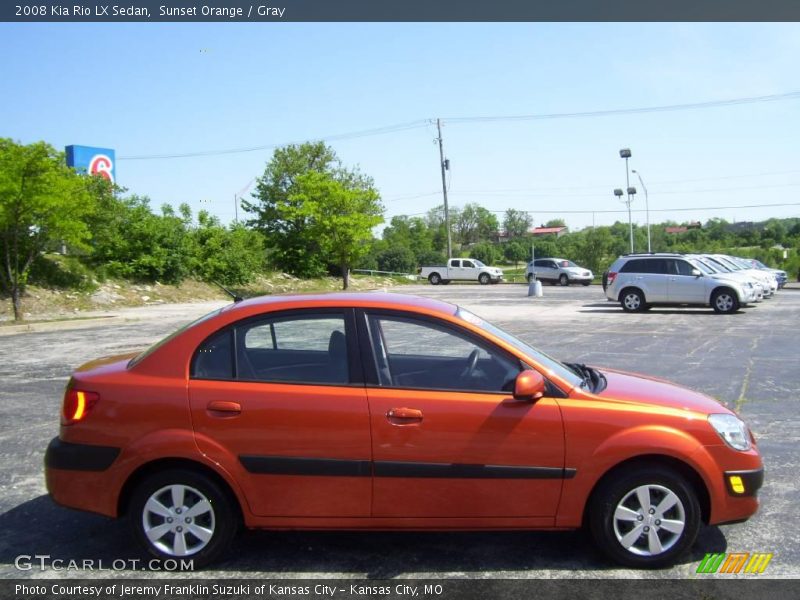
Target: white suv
[639, 281]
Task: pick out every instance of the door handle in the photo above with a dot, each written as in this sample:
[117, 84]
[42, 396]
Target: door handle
[224, 408]
[404, 415]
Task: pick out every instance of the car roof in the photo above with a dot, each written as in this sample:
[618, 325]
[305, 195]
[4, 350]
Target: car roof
[343, 299]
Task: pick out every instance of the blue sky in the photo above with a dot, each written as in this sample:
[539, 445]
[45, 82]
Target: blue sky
[146, 89]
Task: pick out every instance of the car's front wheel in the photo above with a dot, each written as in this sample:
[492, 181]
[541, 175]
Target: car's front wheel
[646, 517]
[484, 279]
[181, 514]
[563, 279]
[724, 301]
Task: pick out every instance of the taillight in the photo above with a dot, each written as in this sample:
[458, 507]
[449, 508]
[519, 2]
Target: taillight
[611, 278]
[77, 404]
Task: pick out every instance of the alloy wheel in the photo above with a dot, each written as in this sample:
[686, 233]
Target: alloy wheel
[649, 520]
[178, 520]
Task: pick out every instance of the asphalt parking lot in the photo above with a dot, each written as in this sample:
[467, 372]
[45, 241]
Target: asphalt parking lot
[750, 361]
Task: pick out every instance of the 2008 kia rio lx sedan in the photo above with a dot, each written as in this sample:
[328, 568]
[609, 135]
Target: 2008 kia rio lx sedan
[381, 411]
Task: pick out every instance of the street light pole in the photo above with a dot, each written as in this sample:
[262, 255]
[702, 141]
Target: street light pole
[626, 154]
[646, 208]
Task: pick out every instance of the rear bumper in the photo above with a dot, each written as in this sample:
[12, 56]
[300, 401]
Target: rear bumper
[76, 476]
[79, 457]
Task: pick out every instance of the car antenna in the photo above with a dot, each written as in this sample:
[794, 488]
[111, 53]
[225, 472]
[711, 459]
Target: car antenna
[236, 297]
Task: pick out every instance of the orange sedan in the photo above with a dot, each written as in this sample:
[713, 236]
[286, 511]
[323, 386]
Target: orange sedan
[383, 411]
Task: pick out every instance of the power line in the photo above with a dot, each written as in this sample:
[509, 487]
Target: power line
[517, 194]
[589, 212]
[629, 111]
[329, 138]
[531, 117]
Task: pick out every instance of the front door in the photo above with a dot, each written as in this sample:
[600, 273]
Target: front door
[279, 395]
[448, 438]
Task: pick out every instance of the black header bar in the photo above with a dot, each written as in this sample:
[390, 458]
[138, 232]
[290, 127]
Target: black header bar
[396, 10]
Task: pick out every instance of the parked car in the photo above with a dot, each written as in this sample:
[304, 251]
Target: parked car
[558, 270]
[717, 271]
[640, 281]
[462, 269]
[780, 275]
[383, 411]
[769, 282]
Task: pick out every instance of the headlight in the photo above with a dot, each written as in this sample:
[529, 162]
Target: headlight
[732, 430]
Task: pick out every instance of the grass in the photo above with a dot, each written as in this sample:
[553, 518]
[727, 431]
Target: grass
[52, 304]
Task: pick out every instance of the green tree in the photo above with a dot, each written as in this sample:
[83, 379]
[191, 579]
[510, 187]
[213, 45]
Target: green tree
[517, 223]
[339, 210]
[134, 242]
[484, 252]
[227, 255]
[556, 223]
[399, 259]
[42, 202]
[474, 223]
[516, 252]
[286, 227]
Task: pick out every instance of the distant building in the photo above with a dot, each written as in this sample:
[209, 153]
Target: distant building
[556, 231]
[683, 228]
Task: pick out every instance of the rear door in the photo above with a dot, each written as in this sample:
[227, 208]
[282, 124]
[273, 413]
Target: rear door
[648, 274]
[448, 438]
[284, 396]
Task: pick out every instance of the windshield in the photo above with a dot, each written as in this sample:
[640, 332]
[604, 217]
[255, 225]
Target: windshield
[551, 364]
[477, 263]
[717, 265]
[729, 263]
[568, 263]
[698, 264]
[140, 357]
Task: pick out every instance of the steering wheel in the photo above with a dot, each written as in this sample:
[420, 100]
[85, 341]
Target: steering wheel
[472, 363]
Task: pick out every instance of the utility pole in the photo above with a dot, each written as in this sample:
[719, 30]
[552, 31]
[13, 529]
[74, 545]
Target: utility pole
[236, 208]
[444, 165]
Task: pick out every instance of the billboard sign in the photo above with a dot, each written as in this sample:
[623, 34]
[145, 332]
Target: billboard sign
[94, 161]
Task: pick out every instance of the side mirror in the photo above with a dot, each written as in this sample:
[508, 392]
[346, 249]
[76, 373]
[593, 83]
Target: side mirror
[697, 273]
[529, 385]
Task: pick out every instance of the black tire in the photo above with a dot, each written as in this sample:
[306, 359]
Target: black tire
[563, 279]
[435, 279]
[484, 279]
[616, 515]
[724, 301]
[221, 517]
[631, 300]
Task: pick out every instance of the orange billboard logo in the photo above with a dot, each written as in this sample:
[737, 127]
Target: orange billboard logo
[733, 563]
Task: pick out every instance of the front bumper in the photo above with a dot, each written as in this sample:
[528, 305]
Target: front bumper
[744, 483]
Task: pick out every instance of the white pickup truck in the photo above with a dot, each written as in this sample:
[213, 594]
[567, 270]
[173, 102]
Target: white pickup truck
[462, 269]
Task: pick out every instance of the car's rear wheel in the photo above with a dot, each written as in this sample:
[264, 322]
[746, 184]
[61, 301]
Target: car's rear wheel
[646, 517]
[181, 514]
[484, 278]
[632, 300]
[724, 301]
[563, 279]
[434, 278]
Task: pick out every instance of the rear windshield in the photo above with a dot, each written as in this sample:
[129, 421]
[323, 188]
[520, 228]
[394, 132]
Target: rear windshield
[140, 357]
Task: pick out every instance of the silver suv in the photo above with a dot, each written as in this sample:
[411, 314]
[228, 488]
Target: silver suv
[639, 281]
[558, 270]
